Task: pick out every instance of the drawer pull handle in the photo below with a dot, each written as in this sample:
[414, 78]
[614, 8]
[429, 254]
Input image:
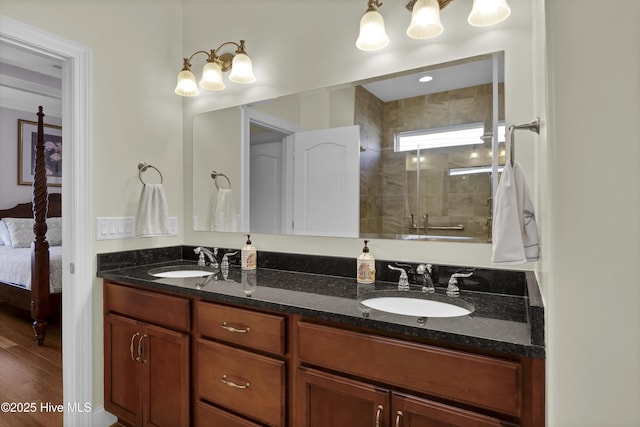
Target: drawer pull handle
[133, 338]
[234, 329]
[378, 413]
[140, 359]
[398, 417]
[232, 384]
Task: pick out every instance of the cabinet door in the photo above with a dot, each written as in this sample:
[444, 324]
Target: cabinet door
[165, 358]
[329, 400]
[122, 372]
[411, 411]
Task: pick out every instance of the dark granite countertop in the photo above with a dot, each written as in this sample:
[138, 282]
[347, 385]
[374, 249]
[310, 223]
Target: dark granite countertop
[500, 322]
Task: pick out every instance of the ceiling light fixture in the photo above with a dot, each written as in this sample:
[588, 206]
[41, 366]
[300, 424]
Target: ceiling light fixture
[425, 20]
[238, 63]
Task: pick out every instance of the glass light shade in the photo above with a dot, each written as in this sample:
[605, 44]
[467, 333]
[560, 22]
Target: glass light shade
[372, 34]
[187, 84]
[211, 77]
[425, 20]
[241, 69]
[488, 12]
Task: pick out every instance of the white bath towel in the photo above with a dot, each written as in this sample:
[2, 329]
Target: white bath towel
[224, 213]
[515, 232]
[153, 213]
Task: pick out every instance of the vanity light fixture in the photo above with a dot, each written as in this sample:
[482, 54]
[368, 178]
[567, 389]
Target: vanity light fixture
[425, 20]
[372, 34]
[238, 63]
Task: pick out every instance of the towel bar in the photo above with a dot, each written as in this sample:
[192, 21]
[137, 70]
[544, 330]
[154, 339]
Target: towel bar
[533, 126]
[215, 175]
[143, 166]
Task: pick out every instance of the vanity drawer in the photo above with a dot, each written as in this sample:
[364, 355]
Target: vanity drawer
[248, 328]
[480, 381]
[147, 306]
[207, 415]
[244, 382]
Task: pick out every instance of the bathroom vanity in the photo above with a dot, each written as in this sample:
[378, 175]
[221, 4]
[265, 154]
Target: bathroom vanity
[280, 347]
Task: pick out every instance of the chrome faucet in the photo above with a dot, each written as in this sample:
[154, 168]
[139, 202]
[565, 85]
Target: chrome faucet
[211, 255]
[429, 277]
[452, 289]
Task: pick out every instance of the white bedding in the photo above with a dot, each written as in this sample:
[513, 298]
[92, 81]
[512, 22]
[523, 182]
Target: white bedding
[15, 267]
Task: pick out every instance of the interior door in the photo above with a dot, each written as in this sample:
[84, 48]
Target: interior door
[266, 198]
[326, 199]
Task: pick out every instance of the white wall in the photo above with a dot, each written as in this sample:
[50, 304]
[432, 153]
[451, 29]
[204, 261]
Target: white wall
[135, 116]
[593, 200]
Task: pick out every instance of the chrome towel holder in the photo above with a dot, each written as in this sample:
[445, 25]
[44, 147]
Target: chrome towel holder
[215, 175]
[533, 126]
[143, 166]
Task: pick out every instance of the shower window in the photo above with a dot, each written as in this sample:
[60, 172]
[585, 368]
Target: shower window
[447, 190]
[450, 136]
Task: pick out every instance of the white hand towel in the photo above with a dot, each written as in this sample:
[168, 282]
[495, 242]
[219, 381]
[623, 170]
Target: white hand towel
[515, 232]
[224, 213]
[153, 213]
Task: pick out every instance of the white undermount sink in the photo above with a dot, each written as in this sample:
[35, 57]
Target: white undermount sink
[181, 272]
[416, 304]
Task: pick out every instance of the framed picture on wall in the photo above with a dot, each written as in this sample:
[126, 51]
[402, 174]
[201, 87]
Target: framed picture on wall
[27, 138]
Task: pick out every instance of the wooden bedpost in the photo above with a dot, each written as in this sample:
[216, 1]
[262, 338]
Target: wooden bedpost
[40, 280]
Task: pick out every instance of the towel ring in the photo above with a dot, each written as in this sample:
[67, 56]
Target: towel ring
[143, 166]
[215, 175]
[533, 126]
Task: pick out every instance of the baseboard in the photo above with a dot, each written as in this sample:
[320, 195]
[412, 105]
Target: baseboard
[102, 418]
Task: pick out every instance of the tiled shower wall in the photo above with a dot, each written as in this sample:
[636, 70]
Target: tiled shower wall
[394, 185]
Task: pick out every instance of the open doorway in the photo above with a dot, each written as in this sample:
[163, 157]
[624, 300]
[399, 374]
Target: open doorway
[77, 262]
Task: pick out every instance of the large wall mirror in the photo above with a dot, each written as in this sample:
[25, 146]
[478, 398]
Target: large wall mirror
[391, 157]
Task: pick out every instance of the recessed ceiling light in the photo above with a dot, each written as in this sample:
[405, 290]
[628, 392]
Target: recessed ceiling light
[425, 79]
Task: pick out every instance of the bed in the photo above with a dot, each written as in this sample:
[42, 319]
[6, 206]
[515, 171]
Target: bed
[28, 271]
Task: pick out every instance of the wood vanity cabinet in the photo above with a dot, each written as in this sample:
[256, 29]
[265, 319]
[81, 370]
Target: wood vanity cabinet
[179, 360]
[146, 357]
[329, 400]
[349, 378]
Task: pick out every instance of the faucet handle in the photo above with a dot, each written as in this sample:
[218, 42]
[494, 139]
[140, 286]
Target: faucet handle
[411, 275]
[201, 261]
[452, 289]
[403, 281]
[225, 261]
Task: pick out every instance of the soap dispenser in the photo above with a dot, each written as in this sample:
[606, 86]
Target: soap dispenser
[366, 266]
[248, 258]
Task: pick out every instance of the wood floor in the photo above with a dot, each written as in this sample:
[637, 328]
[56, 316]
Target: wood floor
[30, 376]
